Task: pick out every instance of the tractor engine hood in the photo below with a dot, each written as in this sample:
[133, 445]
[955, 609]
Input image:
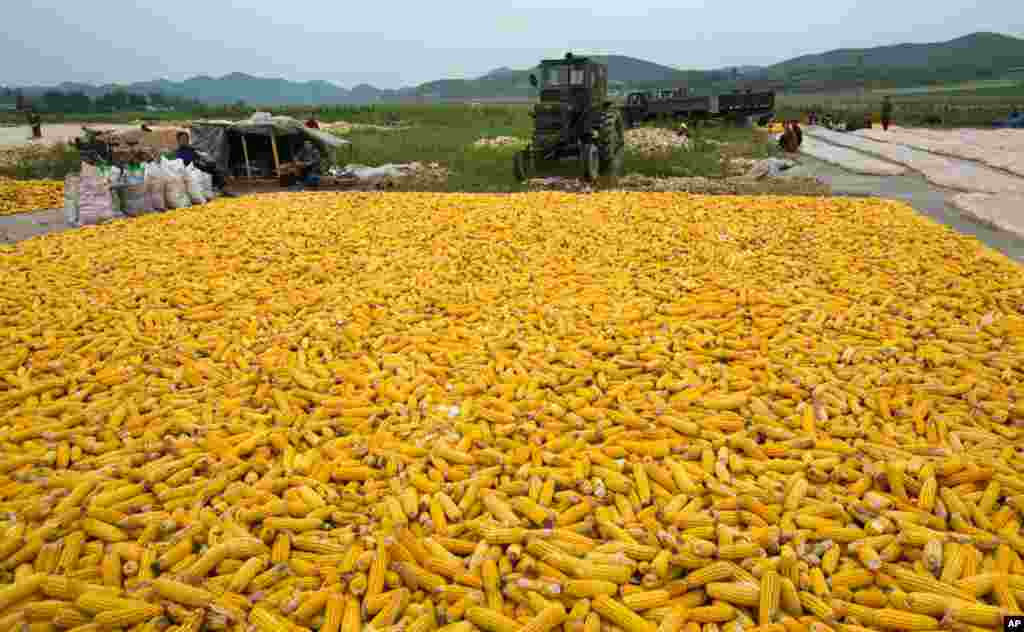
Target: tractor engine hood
[550, 115]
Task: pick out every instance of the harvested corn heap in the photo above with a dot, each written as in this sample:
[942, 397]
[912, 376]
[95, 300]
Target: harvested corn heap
[646, 412]
[22, 196]
[654, 140]
[499, 141]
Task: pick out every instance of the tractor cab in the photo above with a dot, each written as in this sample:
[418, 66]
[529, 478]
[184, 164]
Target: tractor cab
[573, 117]
[573, 81]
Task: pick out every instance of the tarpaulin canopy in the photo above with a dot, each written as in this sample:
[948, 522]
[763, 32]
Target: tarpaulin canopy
[213, 137]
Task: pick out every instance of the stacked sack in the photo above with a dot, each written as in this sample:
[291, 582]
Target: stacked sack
[90, 198]
[94, 203]
[195, 181]
[176, 190]
[155, 186]
[133, 191]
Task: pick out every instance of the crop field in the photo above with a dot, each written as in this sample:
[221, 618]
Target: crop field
[548, 412]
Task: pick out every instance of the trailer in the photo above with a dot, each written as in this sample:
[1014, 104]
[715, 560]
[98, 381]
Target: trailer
[742, 107]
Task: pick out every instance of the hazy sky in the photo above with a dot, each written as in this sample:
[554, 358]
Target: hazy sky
[395, 43]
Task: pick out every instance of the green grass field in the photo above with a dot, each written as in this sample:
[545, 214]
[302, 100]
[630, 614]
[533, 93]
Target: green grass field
[446, 134]
[993, 87]
[977, 107]
[1012, 91]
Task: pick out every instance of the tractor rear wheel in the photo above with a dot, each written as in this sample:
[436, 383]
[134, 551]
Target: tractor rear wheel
[590, 157]
[612, 143]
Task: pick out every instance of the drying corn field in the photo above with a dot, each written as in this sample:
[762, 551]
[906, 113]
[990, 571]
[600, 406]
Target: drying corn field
[628, 412]
[22, 196]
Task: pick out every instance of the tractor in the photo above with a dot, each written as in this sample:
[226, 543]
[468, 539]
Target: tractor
[573, 120]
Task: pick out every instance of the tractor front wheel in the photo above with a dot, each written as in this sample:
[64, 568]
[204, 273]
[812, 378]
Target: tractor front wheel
[521, 165]
[590, 157]
[612, 140]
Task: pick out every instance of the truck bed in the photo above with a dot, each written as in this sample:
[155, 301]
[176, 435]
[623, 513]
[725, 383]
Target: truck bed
[637, 110]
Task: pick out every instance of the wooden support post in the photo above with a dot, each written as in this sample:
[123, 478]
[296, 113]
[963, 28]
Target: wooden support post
[273, 147]
[245, 152]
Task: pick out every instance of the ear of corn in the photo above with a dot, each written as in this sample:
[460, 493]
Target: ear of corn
[630, 411]
[771, 591]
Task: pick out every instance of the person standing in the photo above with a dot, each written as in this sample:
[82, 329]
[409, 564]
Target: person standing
[36, 122]
[886, 113]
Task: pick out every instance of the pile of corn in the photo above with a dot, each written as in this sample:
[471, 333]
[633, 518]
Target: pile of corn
[22, 196]
[499, 141]
[655, 140]
[539, 412]
[344, 127]
[11, 156]
[737, 185]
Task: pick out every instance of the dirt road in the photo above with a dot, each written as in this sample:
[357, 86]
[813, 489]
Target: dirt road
[55, 133]
[985, 193]
[998, 148]
[15, 228]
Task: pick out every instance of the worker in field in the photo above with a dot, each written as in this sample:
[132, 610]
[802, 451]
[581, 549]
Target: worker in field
[312, 123]
[189, 155]
[36, 122]
[788, 142]
[309, 162]
[886, 113]
[185, 153]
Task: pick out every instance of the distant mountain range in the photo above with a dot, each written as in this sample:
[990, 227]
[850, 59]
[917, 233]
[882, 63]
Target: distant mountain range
[975, 56]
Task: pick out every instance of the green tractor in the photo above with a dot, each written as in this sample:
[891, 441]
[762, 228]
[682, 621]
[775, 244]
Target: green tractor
[574, 120]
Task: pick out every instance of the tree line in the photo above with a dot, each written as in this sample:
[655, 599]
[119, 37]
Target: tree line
[77, 102]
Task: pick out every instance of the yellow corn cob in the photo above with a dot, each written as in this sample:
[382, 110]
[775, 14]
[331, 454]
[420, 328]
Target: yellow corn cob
[789, 598]
[180, 593]
[716, 572]
[128, 617]
[97, 601]
[737, 593]
[892, 619]
[491, 620]
[590, 588]
[646, 600]
[618, 614]
[335, 609]
[770, 595]
[719, 612]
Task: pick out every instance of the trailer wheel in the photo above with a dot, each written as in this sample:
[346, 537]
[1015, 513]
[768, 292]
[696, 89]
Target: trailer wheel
[590, 159]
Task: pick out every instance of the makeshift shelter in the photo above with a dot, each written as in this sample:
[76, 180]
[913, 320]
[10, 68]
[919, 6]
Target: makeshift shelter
[259, 146]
